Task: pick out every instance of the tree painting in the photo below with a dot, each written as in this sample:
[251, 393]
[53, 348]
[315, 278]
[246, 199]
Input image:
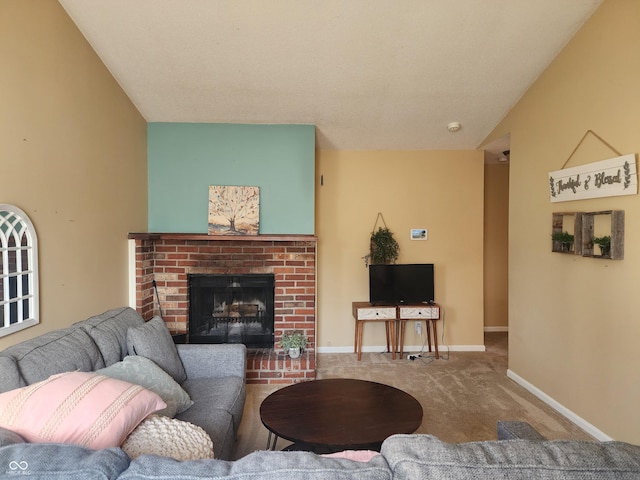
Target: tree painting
[234, 210]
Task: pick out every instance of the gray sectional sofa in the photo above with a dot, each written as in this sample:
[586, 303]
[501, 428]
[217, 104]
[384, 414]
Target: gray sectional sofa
[214, 378]
[403, 457]
[212, 375]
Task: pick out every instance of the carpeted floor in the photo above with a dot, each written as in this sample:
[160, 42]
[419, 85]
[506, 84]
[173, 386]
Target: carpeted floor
[463, 394]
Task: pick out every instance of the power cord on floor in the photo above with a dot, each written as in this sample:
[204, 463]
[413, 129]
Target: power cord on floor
[414, 356]
[442, 343]
[428, 357]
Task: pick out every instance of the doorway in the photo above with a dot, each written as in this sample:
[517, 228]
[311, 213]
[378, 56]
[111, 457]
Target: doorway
[496, 235]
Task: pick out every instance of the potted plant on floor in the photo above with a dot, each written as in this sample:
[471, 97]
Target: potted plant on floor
[294, 343]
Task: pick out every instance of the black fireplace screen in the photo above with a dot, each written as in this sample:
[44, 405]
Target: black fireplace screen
[231, 309]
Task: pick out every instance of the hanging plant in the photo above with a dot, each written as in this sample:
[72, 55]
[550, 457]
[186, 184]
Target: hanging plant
[383, 248]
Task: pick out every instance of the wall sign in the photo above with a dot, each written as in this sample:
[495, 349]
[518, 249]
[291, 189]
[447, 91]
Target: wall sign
[607, 178]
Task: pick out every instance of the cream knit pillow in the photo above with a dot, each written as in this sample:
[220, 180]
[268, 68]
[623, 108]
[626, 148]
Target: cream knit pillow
[168, 437]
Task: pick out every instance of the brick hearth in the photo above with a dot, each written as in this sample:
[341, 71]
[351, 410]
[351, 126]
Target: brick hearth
[170, 258]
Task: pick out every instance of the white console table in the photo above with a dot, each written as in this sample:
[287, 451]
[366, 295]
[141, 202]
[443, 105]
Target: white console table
[365, 312]
[395, 318]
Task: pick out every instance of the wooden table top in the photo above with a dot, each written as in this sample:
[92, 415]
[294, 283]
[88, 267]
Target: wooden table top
[340, 413]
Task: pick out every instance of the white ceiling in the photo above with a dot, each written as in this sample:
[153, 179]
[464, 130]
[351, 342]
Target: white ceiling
[370, 74]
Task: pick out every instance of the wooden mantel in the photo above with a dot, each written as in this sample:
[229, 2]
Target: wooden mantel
[289, 237]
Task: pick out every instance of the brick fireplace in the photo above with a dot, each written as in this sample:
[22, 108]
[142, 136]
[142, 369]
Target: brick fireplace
[169, 259]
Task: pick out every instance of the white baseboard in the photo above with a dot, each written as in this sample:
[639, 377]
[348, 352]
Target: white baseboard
[444, 348]
[454, 348]
[348, 349]
[407, 349]
[579, 421]
[496, 329]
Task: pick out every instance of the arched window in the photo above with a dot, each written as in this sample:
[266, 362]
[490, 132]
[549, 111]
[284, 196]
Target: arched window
[18, 271]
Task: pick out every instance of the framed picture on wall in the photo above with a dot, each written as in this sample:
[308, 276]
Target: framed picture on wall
[234, 210]
[418, 234]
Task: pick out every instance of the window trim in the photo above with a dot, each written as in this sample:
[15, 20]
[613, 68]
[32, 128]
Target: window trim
[16, 223]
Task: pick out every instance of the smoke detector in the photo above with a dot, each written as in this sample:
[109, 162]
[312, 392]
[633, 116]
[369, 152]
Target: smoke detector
[454, 127]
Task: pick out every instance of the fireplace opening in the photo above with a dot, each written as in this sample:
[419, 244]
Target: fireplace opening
[232, 309]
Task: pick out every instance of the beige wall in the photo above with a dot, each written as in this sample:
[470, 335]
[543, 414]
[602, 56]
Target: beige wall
[496, 246]
[73, 157]
[573, 321]
[441, 191]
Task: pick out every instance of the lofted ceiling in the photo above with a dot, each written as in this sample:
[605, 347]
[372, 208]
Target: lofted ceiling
[369, 74]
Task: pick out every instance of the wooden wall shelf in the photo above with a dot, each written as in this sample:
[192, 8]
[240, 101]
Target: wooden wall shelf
[583, 225]
[616, 232]
[558, 226]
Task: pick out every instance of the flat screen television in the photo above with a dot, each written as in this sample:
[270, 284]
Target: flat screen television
[401, 283]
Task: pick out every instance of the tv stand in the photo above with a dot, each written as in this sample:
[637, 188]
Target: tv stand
[395, 317]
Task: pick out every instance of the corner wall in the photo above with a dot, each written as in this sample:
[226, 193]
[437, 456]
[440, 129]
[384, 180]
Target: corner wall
[573, 321]
[73, 157]
[441, 191]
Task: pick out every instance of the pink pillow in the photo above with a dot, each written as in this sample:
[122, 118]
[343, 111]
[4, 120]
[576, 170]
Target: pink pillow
[82, 408]
[356, 455]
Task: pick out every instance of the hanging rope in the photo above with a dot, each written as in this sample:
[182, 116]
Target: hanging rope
[379, 217]
[582, 140]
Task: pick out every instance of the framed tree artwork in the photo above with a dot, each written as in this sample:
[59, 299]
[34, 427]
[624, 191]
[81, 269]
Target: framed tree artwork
[234, 210]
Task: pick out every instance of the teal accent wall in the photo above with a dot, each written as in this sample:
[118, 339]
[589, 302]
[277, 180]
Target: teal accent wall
[184, 159]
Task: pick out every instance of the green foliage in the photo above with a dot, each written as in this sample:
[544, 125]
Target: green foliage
[383, 247]
[562, 237]
[605, 244]
[293, 339]
[602, 241]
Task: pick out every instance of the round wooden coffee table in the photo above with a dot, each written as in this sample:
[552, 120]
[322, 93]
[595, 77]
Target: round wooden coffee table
[338, 414]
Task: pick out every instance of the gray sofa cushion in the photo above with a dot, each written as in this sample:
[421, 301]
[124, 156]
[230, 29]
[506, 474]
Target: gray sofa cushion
[55, 461]
[10, 377]
[109, 331]
[262, 465]
[153, 340]
[55, 352]
[226, 393]
[217, 422]
[203, 361]
[142, 371]
[423, 456]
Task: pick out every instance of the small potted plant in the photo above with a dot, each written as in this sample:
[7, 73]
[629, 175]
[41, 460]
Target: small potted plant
[294, 343]
[604, 243]
[565, 239]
